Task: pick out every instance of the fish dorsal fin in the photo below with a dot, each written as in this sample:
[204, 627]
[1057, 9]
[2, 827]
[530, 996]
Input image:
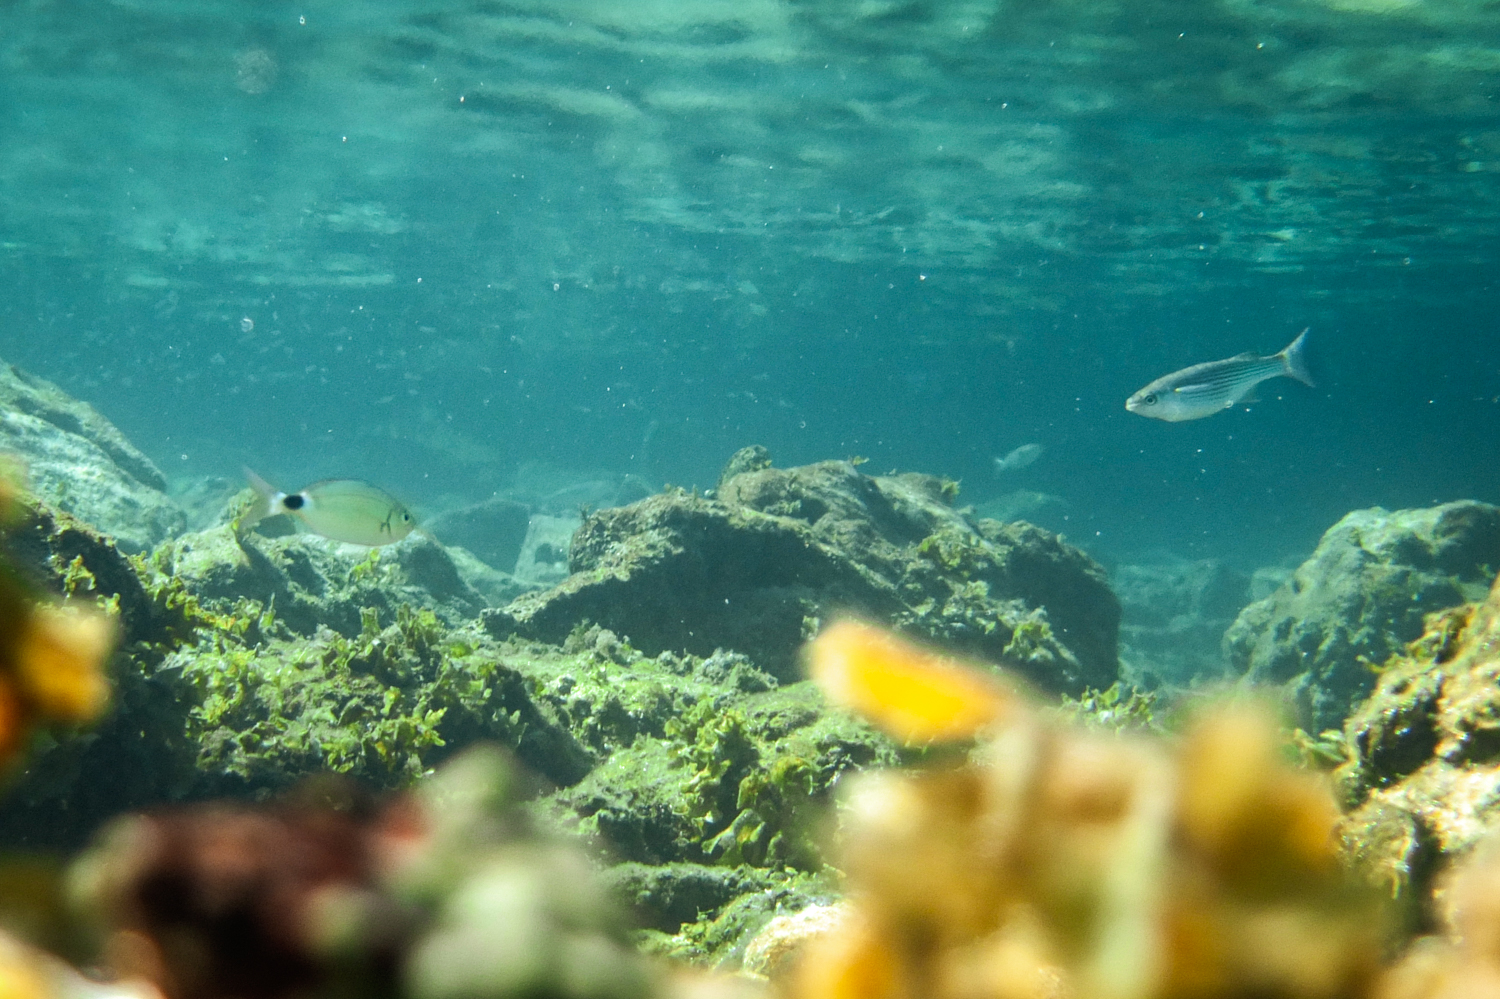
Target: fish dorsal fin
[1248, 355]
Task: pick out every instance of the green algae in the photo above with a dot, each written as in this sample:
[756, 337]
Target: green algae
[719, 936]
[957, 552]
[725, 785]
[1031, 639]
[691, 763]
[1117, 708]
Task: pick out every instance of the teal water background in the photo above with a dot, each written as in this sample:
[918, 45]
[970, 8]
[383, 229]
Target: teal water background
[427, 244]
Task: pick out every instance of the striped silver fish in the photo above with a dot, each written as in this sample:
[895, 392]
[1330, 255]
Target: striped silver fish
[1206, 389]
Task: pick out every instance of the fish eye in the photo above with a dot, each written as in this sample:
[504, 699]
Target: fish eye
[1150, 399]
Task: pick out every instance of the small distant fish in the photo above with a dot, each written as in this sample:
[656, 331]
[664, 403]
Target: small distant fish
[1019, 458]
[339, 509]
[1205, 389]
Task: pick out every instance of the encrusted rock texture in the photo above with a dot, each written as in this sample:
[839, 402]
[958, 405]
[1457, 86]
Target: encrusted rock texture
[759, 565]
[1423, 780]
[312, 582]
[80, 463]
[1360, 598]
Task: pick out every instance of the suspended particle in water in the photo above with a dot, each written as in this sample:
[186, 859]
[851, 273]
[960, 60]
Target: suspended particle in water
[247, 324]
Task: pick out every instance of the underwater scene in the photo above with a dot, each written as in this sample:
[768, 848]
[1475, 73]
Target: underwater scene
[824, 499]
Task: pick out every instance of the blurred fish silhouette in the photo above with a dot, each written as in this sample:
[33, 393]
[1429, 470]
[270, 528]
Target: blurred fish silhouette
[1018, 459]
[339, 509]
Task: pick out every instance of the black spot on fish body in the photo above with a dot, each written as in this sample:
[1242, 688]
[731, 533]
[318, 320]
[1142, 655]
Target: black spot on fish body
[294, 502]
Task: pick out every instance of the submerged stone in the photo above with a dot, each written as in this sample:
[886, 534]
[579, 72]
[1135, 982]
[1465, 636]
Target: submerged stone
[777, 551]
[80, 463]
[1360, 598]
[313, 582]
[1423, 774]
[493, 530]
[665, 896]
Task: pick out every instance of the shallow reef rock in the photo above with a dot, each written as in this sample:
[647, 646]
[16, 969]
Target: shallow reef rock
[1424, 772]
[80, 463]
[312, 582]
[757, 566]
[1462, 960]
[674, 759]
[1360, 598]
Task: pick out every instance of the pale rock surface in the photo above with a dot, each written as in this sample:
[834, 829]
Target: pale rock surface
[776, 947]
[1360, 598]
[79, 462]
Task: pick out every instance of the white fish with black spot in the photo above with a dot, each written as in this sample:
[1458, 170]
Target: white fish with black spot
[1205, 389]
[339, 509]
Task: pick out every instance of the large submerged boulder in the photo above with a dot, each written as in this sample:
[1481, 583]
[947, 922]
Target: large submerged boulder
[1360, 599]
[80, 463]
[1423, 777]
[759, 565]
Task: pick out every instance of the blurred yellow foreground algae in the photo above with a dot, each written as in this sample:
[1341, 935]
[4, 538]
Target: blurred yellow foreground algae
[52, 659]
[1059, 862]
[52, 656]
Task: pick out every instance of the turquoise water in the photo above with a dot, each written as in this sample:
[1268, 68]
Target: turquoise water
[439, 245]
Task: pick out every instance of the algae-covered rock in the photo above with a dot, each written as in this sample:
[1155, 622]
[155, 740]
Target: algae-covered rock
[725, 782]
[253, 662]
[235, 704]
[382, 707]
[312, 581]
[777, 550]
[746, 459]
[665, 896]
[73, 779]
[782, 942]
[722, 939]
[80, 463]
[70, 558]
[1360, 598]
[666, 759]
[1424, 772]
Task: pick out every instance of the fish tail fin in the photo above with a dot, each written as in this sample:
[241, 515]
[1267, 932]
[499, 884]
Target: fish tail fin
[266, 497]
[1294, 358]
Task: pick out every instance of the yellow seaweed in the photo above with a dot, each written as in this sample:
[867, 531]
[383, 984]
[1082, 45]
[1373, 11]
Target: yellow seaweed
[912, 694]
